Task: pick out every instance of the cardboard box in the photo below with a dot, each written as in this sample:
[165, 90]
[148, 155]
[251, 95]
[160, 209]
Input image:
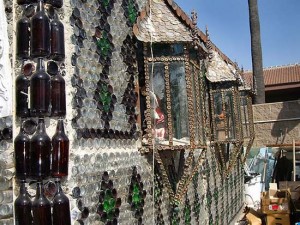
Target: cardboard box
[253, 220]
[278, 219]
[276, 208]
[279, 197]
[275, 201]
[294, 187]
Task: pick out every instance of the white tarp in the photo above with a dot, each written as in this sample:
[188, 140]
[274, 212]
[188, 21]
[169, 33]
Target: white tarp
[5, 67]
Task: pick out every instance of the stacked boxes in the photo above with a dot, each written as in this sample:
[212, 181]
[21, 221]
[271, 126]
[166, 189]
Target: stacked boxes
[278, 219]
[295, 199]
[276, 205]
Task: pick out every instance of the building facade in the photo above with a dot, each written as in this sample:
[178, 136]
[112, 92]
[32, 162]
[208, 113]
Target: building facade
[138, 113]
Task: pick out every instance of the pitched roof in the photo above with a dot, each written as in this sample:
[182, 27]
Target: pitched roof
[279, 77]
[162, 25]
[141, 24]
[218, 70]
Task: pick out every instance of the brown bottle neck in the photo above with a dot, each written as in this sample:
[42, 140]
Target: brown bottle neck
[60, 126]
[23, 190]
[22, 131]
[40, 6]
[58, 186]
[40, 64]
[39, 189]
[55, 17]
[41, 126]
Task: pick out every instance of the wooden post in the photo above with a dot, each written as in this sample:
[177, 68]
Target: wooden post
[294, 160]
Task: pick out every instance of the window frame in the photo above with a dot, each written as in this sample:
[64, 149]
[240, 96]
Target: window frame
[196, 110]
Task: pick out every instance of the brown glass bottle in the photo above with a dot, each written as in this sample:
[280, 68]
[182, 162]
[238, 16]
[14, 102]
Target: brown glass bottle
[23, 37]
[60, 154]
[57, 49]
[22, 2]
[40, 150]
[40, 33]
[61, 207]
[22, 207]
[41, 207]
[40, 87]
[22, 154]
[55, 3]
[58, 96]
[22, 84]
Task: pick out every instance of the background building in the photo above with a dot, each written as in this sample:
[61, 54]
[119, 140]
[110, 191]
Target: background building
[282, 83]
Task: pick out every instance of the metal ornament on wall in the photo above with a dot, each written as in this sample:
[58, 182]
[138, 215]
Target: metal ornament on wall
[173, 90]
[247, 122]
[178, 170]
[227, 136]
[174, 115]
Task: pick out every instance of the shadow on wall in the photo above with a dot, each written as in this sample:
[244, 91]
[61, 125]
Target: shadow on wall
[290, 110]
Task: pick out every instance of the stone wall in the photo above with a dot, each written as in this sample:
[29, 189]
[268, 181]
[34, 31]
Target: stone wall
[276, 123]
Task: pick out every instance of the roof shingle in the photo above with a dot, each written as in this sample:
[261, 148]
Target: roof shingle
[218, 70]
[170, 14]
[164, 25]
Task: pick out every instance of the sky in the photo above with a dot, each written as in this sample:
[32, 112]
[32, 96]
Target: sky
[228, 26]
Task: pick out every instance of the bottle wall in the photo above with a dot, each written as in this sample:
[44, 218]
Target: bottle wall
[6, 120]
[211, 198]
[109, 180]
[6, 170]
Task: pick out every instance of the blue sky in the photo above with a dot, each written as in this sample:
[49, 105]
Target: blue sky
[228, 25]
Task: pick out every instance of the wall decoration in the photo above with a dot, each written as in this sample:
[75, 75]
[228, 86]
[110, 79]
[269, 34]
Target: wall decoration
[136, 196]
[138, 126]
[105, 70]
[5, 67]
[109, 203]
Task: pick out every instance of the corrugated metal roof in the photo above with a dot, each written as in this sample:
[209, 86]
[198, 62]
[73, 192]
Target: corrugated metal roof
[278, 76]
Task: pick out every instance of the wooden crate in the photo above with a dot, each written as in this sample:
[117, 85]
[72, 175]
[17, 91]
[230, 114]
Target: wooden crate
[275, 202]
[278, 219]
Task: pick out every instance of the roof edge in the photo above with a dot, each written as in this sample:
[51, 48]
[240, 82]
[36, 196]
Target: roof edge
[188, 22]
[183, 17]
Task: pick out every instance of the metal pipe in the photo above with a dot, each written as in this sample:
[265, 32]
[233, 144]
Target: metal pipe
[282, 145]
[279, 120]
